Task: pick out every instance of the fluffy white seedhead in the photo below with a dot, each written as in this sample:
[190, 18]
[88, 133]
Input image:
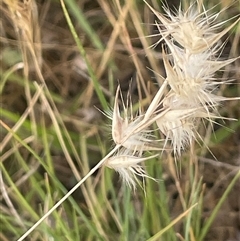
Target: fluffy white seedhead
[178, 125]
[127, 164]
[187, 95]
[191, 77]
[130, 132]
[194, 49]
[194, 31]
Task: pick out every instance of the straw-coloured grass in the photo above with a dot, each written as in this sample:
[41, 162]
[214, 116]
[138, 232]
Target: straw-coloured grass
[162, 123]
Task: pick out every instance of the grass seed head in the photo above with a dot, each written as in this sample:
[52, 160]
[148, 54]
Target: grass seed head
[130, 132]
[193, 31]
[127, 164]
[186, 96]
[178, 126]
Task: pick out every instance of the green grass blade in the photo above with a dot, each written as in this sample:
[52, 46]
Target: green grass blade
[79, 15]
[210, 220]
[161, 232]
[83, 53]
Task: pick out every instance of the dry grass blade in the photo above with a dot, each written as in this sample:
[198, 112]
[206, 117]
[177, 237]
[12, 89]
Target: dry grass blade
[60, 60]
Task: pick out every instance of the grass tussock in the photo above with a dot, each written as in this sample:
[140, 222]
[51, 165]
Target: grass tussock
[165, 79]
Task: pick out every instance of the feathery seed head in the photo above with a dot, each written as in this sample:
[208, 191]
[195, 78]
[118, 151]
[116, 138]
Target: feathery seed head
[119, 125]
[193, 58]
[178, 126]
[194, 31]
[191, 77]
[131, 132]
[187, 89]
[126, 163]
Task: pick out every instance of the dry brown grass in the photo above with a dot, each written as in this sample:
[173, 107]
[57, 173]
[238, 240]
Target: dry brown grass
[57, 120]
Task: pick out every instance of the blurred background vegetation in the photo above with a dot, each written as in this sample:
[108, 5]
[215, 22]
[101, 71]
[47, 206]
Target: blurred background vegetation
[52, 133]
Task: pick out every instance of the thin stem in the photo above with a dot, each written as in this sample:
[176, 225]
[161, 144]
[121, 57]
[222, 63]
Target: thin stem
[69, 193]
[84, 55]
[160, 233]
[210, 220]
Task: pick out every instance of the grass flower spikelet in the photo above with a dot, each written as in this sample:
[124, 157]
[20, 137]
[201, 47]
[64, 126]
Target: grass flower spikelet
[191, 57]
[131, 132]
[127, 164]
